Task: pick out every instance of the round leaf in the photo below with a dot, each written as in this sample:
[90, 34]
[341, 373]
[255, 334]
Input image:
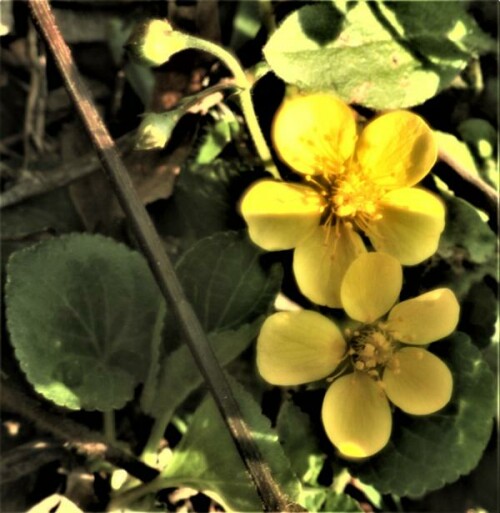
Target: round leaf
[80, 311]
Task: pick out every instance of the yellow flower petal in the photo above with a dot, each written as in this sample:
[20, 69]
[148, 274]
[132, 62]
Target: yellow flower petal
[396, 149]
[321, 260]
[356, 415]
[298, 347]
[417, 381]
[426, 318]
[410, 225]
[371, 286]
[314, 134]
[279, 215]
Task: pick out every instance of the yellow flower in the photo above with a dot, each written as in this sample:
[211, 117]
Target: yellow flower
[352, 183]
[378, 361]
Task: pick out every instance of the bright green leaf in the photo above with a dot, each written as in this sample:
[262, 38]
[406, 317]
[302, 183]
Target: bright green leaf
[225, 281]
[380, 55]
[80, 312]
[207, 460]
[427, 452]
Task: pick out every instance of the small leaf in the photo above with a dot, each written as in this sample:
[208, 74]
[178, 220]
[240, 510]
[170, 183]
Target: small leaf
[80, 313]
[179, 374]
[380, 55]
[425, 453]
[225, 281]
[207, 460]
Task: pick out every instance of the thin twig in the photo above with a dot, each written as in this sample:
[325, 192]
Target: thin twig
[161, 266]
[42, 182]
[468, 186]
[75, 435]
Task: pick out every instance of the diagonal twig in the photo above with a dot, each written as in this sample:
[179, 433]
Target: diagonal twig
[74, 434]
[161, 266]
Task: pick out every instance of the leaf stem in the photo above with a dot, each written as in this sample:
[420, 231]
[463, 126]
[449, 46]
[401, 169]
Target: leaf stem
[247, 107]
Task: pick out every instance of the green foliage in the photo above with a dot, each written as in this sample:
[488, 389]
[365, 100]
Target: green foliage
[324, 499]
[465, 229]
[179, 375]
[206, 459]
[382, 55]
[217, 137]
[300, 442]
[425, 453]
[80, 312]
[204, 201]
[225, 281]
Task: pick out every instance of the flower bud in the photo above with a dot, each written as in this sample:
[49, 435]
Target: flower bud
[155, 41]
[155, 130]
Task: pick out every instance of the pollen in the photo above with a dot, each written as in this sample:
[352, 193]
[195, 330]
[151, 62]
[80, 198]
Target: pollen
[371, 349]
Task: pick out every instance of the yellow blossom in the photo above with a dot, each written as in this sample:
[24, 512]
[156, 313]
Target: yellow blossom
[351, 183]
[378, 361]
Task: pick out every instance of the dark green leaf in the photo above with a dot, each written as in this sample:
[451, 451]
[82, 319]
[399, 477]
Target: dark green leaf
[225, 281]
[466, 230]
[425, 453]
[80, 312]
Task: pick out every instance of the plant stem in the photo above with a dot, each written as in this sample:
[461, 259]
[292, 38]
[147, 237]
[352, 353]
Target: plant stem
[109, 426]
[121, 500]
[247, 107]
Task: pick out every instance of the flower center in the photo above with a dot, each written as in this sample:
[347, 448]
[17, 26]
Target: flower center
[370, 350]
[349, 195]
[355, 196]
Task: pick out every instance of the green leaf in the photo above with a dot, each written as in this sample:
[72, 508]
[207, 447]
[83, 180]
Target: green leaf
[324, 499]
[300, 442]
[225, 281]
[207, 460]
[425, 453]
[179, 375]
[27, 222]
[205, 201]
[380, 55]
[466, 230]
[217, 136]
[80, 312]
